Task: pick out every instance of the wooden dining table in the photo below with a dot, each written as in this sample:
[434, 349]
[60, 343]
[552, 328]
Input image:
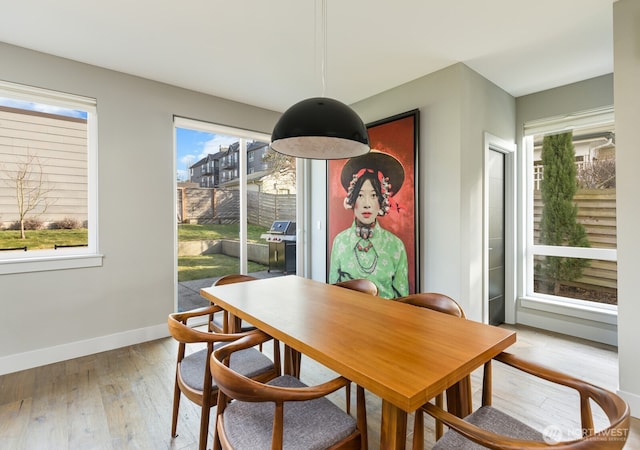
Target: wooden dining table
[404, 354]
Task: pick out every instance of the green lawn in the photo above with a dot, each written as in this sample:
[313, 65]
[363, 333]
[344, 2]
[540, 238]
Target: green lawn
[214, 265]
[43, 239]
[188, 232]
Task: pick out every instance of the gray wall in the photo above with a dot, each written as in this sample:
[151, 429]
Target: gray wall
[627, 100]
[456, 107]
[68, 312]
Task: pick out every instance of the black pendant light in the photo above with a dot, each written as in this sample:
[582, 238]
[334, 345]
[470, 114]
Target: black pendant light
[320, 127]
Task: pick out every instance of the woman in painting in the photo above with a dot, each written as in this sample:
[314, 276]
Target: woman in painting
[365, 249]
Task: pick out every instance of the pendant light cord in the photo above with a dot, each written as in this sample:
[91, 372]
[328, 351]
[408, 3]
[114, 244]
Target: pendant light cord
[323, 42]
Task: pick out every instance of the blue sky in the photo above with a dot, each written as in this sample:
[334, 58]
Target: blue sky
[193, 145]
[32, 106]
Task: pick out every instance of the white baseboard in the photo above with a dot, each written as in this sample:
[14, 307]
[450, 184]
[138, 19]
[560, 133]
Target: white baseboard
[634, 402]
[57, 353]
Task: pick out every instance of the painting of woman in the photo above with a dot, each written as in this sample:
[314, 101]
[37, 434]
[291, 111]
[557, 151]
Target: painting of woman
[366, 249]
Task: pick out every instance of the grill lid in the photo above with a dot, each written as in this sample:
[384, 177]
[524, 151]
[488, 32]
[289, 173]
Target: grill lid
[283, 227]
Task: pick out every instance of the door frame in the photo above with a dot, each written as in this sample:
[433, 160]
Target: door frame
[494, 143]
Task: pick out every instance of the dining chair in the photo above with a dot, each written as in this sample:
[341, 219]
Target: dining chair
[283, 412]
[368, 287]
[489, 427]
[359, 284]
[193, 375]
[220, 322]
[445, 304]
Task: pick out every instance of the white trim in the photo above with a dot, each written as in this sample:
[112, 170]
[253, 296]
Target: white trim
[303, 214]
[70, 258]
[633, 400]
[569, 325]
[183, 122]
[576, 317]
[41, 264]
[244, 214]
[39, 95]
[605, 254]
[63, 352]
[593, 313]
[572, 121]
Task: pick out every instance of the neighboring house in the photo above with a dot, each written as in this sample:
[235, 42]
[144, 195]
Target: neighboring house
[588, 148]
[51, 149]
[222, 170]
[206, 172]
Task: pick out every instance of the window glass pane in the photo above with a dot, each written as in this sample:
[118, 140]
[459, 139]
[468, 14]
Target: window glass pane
[573, 195]
[209, 206]
[271, 197]
[585, 279]
[574, 189]
[44, 178]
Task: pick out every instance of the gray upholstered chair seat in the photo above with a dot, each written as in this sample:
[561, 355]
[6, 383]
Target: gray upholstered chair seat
[308, 425]
[489, 419]
[249, 362]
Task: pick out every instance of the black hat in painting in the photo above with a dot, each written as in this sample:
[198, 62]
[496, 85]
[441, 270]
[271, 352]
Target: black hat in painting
[384, 165]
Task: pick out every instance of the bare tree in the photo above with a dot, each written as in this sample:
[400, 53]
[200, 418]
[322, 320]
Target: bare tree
[31, 188]
[597, 174]
[279, 162]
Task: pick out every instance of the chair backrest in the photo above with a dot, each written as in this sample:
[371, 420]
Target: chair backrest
[223, 325]
[434, 301]
[234, 386]
[194, 381]
[444, 304]
[233, 278]
[611, 437]
[359, 284]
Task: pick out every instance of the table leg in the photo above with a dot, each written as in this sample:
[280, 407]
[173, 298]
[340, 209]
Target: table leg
[292, 361]
[459, 398]
[393, 427]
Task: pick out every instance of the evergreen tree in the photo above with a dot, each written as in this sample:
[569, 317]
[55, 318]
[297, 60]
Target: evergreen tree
[558, 224]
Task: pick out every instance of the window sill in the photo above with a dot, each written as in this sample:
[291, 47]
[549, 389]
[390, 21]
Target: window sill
[601, 314]
[40, 264]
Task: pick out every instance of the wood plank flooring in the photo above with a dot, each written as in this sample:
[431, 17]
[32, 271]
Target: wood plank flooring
[121, 399]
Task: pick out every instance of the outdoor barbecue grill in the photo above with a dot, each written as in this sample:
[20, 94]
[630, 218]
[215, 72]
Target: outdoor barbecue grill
[282, 246]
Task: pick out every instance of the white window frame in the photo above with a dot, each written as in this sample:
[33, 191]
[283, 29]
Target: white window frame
[599, 312]
[72, 257]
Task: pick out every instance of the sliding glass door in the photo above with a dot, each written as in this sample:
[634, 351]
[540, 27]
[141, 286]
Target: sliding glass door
[235, 207]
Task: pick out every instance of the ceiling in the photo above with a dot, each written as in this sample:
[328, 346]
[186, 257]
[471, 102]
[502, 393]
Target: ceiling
[269, 53]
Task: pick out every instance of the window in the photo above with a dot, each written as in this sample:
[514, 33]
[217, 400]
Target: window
[231, 219]
[48, 153]
[571, 230]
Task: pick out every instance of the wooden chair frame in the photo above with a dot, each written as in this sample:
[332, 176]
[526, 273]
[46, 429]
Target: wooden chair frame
[444, 304]
[207, 398]
[227, 325]
[233, 386]
[616, 409]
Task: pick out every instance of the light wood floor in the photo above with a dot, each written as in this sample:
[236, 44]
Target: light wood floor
[121, 399]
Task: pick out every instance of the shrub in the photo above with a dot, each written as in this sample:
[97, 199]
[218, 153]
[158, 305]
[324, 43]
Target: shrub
[31, 223]
[68, 223]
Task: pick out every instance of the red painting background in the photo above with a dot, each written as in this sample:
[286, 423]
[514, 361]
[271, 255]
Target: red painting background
[397, 137]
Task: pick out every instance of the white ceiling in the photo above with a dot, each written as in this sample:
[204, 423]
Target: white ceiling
[268, 53]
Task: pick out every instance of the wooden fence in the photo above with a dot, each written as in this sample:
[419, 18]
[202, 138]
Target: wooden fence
[597, 213]
[207, 205]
